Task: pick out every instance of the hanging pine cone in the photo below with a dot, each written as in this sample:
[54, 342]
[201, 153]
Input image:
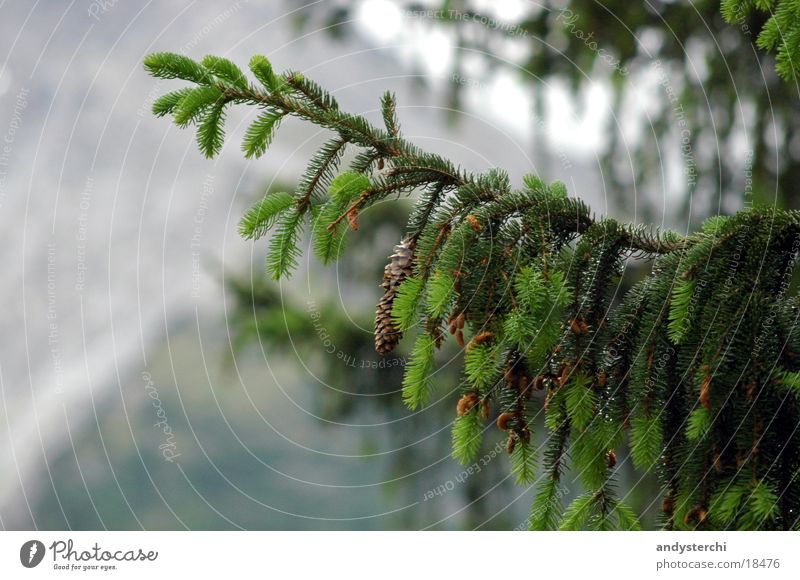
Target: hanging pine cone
[396, 271]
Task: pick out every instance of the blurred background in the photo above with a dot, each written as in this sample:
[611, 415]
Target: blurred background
[151, 378]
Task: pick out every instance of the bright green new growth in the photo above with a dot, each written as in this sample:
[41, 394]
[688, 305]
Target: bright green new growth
[699, 424]
[482, 366]
[259, 134]
[440, 293]
[406, 304]
[260, 218]
[418, 380]
[698, 365]
[467, 437]
[329, 234]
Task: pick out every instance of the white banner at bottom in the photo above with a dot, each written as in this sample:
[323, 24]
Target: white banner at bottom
[406, 555]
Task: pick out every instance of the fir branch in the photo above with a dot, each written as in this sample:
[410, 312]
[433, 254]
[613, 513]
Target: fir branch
[533, 274]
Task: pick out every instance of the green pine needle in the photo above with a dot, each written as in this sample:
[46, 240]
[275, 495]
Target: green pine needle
[329, 240]
[531, 289]
[406, 303]
[210, 132]
[744, 505]
[725, 504]
[714, 225]
[790, 381]
[578, 512]
[590, 456]
[196, 101]
[482, 366]
[626, 517]
[283, 248]
[467, 437]
[165, 104]
[417, 381]
[389, 110]
[519, 329]
[329, 243]
[547, 507]
[226, 71]
[257, 221]
[169, 65]
[559, 290]
[679, 311]
[441, 293]
[534, 183]
[580, 401]
[761, 508]
[262, 70]
[348, 185]
[523, 462]
[556, 413]
[698, 424]
[259, 134]
[780, 33]
[646, 440]
[558, 190]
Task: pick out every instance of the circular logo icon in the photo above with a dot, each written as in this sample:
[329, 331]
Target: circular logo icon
[31, 553]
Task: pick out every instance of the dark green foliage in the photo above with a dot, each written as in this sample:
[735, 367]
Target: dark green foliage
[698, 424]
[679, 317]
[698, 364]
[780, 33]
[523, 462]
[547, 507]
[646, 440]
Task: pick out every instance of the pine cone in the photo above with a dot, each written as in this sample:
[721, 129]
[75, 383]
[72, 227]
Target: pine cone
[396, 271]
